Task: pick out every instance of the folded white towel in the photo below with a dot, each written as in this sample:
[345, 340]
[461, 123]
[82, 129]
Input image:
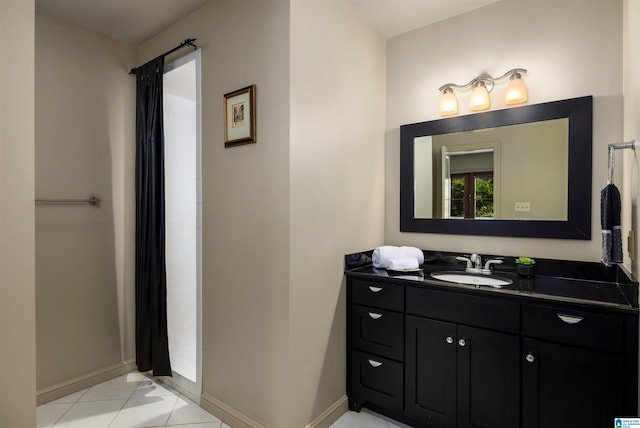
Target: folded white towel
[383, 255]
[403, 264]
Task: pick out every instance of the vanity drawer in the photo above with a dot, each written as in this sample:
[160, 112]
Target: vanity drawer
[573, 327]
[378, 331]
[464, 309]
[377, 380]
[378, 295]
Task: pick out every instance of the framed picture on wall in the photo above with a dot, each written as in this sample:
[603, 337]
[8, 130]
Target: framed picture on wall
[240, 117]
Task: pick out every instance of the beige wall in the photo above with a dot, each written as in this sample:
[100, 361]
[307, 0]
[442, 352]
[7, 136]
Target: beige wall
[245, 193]
[631, 127]
[273, 335]
[17, 279]
[85, 109]
[336, 182]
[570, 47]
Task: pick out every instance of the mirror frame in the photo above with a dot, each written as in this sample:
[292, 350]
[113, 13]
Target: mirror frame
[579, 111]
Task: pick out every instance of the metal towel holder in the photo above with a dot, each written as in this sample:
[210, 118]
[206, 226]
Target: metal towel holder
[93, 201]
[613, 147]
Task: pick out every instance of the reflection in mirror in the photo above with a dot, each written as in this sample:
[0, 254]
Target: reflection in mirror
[523, 171]
[511, 176]
[468, 175]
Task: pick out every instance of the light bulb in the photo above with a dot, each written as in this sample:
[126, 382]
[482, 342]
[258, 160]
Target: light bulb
[479, 97]
[449, 103]
[516, 90]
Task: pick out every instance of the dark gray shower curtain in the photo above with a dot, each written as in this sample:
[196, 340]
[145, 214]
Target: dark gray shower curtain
[152, 344]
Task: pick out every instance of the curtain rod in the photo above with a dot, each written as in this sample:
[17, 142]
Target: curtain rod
[187, 42]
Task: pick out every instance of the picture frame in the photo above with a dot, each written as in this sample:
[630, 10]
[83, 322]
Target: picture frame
[240, 117]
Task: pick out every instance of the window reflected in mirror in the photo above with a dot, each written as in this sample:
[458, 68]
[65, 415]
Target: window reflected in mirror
[471, 195]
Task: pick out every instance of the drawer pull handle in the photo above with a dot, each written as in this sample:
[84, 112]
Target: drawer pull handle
[569, 319]
[374, 363]
[462, 342]
[375, 316]
[449, 340]
[530, 358]
[375, 289]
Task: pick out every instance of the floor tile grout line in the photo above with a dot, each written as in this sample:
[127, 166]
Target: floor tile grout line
[125, 401]
[73, 403]
[61, 416]
[169, 387]
[172, 409]
[171, 412]
[93, 401]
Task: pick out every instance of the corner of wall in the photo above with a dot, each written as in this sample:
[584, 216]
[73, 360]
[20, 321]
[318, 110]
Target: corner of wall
[17, 212]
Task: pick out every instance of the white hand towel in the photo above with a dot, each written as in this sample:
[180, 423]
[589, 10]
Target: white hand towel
[403, 264]
[383, 255]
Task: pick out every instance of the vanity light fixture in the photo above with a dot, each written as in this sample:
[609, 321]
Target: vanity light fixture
[479, 96]
[482, 85]
[516, 92]
[449, 102]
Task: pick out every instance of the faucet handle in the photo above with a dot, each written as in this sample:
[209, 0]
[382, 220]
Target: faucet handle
[487, 266]
[464, 259]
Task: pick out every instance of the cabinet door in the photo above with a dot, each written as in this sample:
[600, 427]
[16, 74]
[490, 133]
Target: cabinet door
[488, 379]
[430, 372]
[568, 387]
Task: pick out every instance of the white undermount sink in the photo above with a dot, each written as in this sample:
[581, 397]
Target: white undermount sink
[471, 279]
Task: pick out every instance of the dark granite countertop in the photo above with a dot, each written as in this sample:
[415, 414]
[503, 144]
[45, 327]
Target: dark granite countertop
[581, 283]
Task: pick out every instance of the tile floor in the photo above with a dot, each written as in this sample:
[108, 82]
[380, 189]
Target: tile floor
[366, 419]
[135, 401]
[129, 401]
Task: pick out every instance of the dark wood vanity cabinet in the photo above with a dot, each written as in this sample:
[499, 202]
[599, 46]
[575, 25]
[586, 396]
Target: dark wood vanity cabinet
[438, 358]
[459, 376]
[576, 371]
[565, 386]
[376, 354]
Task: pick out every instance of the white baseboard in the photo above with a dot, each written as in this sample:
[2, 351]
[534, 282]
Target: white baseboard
[83, 382]
[227, 414]
[236, 419]
[332, 414]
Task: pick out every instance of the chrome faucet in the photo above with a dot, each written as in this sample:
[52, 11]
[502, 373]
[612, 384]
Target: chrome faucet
[477, 259]
[474, 264]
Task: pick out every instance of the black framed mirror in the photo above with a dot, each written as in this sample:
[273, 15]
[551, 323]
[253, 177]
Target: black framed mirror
[508, 192]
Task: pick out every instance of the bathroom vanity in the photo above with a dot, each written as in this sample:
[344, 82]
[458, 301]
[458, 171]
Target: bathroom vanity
[556, 350]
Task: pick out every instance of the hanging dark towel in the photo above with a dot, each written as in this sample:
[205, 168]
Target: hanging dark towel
[610, 222]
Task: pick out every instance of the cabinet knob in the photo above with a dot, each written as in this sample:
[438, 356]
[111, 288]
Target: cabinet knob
[374, 363]
[530, 358]
[375, 289]
[462, 342]
[449, 340]
[374, 316]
